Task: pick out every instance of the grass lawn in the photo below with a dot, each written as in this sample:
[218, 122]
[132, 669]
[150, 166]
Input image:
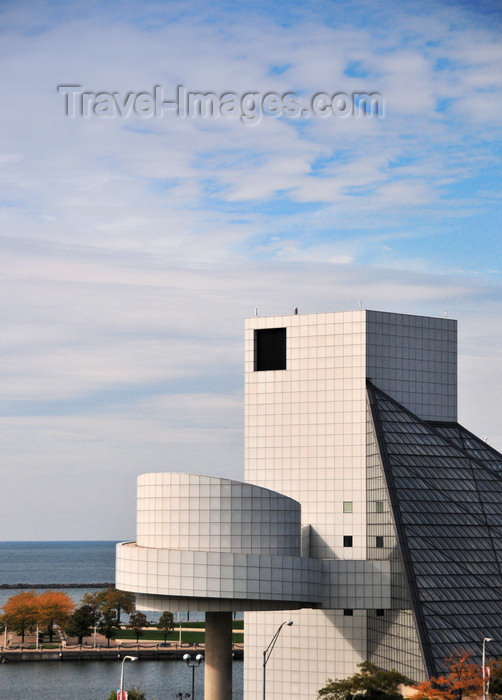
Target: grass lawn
[155, 635]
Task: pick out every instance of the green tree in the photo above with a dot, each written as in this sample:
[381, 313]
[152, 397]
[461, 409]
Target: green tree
[94, 599]
[82, 622]
[495, 677]
[137, 620]
[166, 623]
[107, 625]
[370, 682]
[120, 601]
[111, 599]
[21, 612]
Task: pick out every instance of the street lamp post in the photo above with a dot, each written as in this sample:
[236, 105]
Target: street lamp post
[268, 651]
[486, 639]
[120, 694]
[193, 663]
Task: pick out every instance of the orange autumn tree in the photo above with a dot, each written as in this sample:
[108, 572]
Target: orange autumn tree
[463, 678]
[54, 608]
[20, 612]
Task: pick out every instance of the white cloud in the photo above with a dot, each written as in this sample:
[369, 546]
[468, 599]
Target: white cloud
[132, 249]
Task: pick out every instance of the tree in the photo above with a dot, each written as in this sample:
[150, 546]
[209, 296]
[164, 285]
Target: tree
[108, 625]
[371, 682]
[495, 677]
[108, 604]
[94, 600]
[111, 599]
[166, 623]
[463, 678]
[81, 622]
[120, 601]
[137, 620]
[21, 612]
[433, 689]
[54, 607]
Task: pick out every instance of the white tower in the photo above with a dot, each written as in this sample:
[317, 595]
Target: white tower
[306, 437]
[370, 516]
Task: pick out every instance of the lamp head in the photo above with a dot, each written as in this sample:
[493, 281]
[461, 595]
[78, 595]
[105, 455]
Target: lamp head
[186, 657]
[488, 639]
[199, 658]
[290, 623]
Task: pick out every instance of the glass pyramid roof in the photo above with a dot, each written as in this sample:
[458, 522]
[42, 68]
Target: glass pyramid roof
[445, 491]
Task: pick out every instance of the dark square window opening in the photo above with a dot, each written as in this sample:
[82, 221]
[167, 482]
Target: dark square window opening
[379, 541]
[348, 612]
[380, 612]
[347, 540]
[269, 349]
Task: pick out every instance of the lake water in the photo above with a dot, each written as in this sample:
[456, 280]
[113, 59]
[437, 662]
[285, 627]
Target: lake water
[57, 562]
[87, 680]
[84, 563]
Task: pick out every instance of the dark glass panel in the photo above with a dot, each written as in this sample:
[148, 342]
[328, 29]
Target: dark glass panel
[446, 496]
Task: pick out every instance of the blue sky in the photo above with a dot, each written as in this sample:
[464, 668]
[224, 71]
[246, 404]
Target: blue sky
[132, 247]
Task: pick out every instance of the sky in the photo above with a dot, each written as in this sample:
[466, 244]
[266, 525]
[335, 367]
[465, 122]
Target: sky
[137, 234]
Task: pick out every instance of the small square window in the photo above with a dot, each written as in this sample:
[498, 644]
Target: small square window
[348, 612]
[347, 506]
[347, 540]
[379, 613]
[270, 349]
[379, 507]
[379, 541]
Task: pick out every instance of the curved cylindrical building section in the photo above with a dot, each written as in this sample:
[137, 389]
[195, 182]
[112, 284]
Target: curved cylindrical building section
[210, 514]
[206, 543]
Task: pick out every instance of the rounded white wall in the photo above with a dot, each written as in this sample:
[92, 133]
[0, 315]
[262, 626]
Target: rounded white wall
[210, 514]
[206, 543]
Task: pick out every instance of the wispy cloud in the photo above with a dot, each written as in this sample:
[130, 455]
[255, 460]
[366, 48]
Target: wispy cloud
[133, 247]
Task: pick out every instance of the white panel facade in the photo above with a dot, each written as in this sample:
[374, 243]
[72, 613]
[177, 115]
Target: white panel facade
[306, 438]
[296, 541]
[303, 420]
[206, 513]
[414, 360]
[206, 543]
[236, 581]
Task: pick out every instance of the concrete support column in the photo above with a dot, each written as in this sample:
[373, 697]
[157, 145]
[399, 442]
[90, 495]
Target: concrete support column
[218, 656]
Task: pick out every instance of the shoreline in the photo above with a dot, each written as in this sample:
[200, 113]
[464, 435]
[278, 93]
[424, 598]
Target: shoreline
[156, 652]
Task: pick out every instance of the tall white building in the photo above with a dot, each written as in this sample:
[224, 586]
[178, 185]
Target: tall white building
[311, 435]
[370, 517]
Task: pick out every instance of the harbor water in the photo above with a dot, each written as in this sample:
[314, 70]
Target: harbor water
[84, 563]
